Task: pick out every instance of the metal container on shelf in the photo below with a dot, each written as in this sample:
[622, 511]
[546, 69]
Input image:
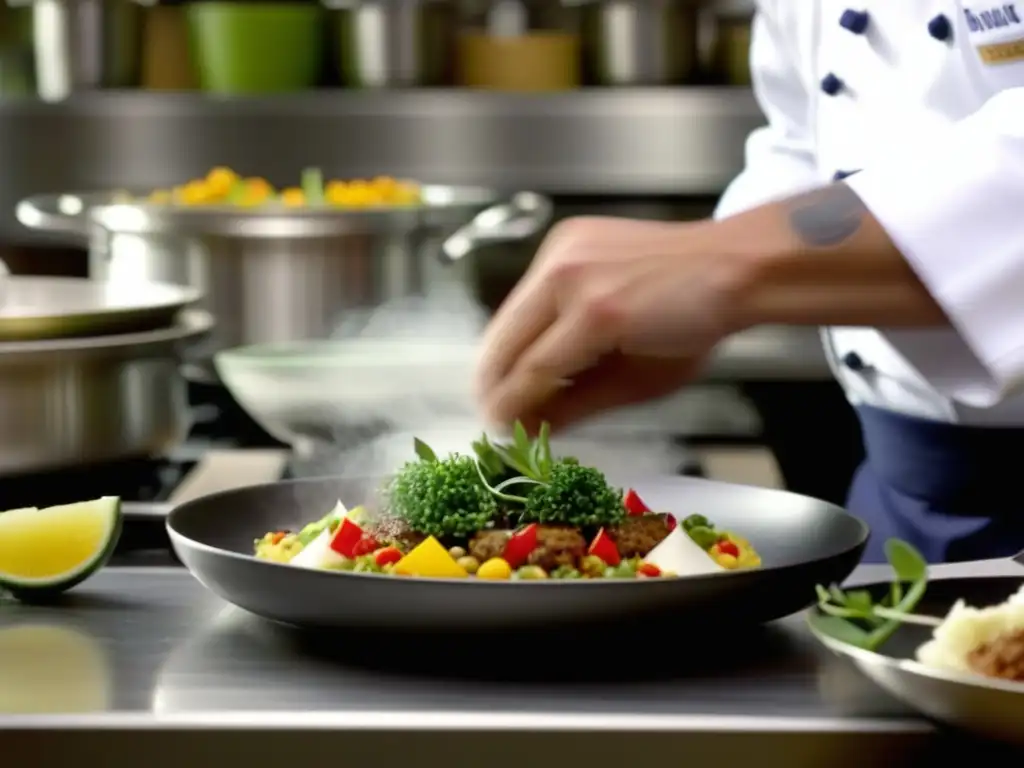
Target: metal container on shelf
[394, 43]
[90, 372]
[276, 274]
[518, 45]
[640, 42]
[733, 20]
[85, 44]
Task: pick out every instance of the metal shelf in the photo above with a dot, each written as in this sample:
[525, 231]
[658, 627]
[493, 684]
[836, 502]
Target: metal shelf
[658, 141]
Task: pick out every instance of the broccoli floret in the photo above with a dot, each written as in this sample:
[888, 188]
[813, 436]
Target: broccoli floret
[442, 498]
[575, 495]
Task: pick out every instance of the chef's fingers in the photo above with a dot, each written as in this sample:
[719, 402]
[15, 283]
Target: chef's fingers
[528, 311]
[617, 381]
[577, 340]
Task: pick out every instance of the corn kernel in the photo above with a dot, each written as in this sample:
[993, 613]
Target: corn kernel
[220, 181]
[336, 192]
[293, 197]
[727, 561]
[193, 193]
[258, 189]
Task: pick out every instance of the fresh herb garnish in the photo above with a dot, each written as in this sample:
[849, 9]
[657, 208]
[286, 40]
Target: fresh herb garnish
[423, 451]
[527, 458]
[854, 617]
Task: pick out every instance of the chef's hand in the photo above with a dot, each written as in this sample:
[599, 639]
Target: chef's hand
[611, 312]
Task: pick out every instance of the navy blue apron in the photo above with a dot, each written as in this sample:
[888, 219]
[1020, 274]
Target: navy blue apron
[955, 492]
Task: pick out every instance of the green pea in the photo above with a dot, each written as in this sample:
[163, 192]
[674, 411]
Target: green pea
[366, 564]
[624, 570]
[696, 521]
[530, 573]
[344, 565]
[565, 572]
[592, 565]
[703, 537]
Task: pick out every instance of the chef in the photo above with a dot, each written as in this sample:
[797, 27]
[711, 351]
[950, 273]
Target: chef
[884, 200]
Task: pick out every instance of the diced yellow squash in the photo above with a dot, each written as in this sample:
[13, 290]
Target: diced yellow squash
[430, 560]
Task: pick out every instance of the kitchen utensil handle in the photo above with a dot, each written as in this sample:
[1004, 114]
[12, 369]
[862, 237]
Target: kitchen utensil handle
[50, 213]
[526, 214]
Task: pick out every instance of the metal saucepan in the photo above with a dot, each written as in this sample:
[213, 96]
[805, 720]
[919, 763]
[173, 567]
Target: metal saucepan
[984, 706]
[277, 274]
[85, 44]
[394, 43]
[802, 541]
[640, 42]
[66, 402]
[35, 308]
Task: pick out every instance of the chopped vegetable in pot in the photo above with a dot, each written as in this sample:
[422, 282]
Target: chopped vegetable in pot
[223, 186]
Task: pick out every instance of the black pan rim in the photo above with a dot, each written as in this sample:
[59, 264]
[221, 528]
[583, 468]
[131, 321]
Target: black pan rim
[180, 539]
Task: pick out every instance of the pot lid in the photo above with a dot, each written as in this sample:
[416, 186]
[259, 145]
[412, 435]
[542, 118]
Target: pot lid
[34, 308]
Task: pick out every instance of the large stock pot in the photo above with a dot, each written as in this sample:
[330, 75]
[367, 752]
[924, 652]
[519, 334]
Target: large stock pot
[276, 274]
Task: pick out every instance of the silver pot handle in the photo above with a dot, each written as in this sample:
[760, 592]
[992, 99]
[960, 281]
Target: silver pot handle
[66, 214]
[526, 214]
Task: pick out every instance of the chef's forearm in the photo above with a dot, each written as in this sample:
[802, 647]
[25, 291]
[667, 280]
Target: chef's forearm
[821, 258]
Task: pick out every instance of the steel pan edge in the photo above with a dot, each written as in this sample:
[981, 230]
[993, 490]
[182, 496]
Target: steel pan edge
[994, 710]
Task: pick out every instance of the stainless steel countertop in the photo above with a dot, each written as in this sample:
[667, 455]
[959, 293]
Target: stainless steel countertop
[144, 666]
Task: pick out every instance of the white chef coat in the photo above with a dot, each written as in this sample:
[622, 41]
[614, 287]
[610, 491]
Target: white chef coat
[925, 98]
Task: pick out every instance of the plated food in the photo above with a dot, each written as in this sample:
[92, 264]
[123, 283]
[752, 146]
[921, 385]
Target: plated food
[987, 641]
[224, 186]
[508, 512]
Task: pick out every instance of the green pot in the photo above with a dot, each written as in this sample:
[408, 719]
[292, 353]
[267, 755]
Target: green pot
[256, 47]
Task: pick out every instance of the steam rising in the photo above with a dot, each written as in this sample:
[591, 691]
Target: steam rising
[448, 314]
[430, 342]
[435, 337]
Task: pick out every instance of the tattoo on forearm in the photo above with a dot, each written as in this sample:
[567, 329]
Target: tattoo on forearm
[826, 216]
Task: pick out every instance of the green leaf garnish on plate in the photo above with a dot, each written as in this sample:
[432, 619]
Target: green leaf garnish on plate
[854, 617]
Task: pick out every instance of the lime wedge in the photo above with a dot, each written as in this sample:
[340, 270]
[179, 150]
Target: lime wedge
[44, 551]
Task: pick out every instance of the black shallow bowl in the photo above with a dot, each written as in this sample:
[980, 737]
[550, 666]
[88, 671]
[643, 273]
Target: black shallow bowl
[802, 542]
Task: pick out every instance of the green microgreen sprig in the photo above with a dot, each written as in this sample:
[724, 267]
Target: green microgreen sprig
[854, 617]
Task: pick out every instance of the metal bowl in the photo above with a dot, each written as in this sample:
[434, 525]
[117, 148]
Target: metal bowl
[980, 705]
[802, 541]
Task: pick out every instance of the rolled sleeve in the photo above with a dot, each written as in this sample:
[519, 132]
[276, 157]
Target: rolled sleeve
[780, 156]
[954, 206]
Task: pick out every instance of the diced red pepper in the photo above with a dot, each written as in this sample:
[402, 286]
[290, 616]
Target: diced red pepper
[728, 548]
[649, 569]
[604, 547]
[275, 538]
[520, 546]
[671, 522]
[387, 556]
[634, 504]
[346, 538]
[365, 546]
